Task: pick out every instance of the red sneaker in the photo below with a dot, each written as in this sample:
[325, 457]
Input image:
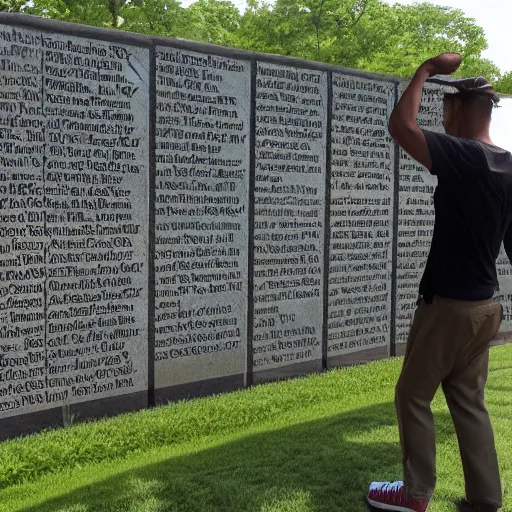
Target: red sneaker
[392, 496]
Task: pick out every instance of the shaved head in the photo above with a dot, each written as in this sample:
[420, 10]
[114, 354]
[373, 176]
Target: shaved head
[479, 104]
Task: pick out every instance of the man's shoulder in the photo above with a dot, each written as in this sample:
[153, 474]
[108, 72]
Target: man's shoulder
[451, 155]
[447, 140]
[470, 153]
[498, 160]
[448, 145]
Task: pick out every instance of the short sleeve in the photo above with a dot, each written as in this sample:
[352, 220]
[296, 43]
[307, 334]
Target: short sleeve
[446, 153]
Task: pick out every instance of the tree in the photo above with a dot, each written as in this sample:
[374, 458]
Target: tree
[504, 84]
[159, 17]
[13, 5]
[412, 33]
[114, 8]
[92, 12]
[216, 21]
[301, 28]
[363, 34]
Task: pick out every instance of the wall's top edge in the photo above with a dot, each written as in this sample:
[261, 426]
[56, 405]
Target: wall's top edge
[123, 37]
[120, 36]
[184, 44]
[64, 27]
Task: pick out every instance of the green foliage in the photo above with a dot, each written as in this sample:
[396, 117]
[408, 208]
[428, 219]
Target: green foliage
[158, 17]
[504, 84]
[363, 34]
[216, 21]
[322, 30]
[92, 12]
[410, 34]
[13, 5]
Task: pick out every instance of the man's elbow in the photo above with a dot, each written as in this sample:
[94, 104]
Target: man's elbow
[400, 130]
[396, 125]
[392, 123]
[392, 129]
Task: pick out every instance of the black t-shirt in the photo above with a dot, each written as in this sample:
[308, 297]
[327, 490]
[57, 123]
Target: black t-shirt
[473, 212]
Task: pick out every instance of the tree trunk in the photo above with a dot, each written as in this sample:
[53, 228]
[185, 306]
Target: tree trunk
[114, 11]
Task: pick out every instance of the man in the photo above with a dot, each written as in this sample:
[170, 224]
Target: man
[456, 317]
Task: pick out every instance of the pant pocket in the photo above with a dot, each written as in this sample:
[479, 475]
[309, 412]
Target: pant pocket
[487, 322]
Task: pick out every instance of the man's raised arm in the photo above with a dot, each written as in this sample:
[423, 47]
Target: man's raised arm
[403, 125]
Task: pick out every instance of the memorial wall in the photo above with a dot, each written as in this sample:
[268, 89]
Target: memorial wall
[202, 208]
[504, 296]
[500, 135]
[180, 219]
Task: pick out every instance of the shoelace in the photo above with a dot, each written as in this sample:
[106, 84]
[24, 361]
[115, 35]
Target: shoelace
[394, 489]
[390, 487]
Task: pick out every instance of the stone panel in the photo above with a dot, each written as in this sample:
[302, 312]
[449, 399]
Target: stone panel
[415, 216]
[74, 201]
[291, 117]
[362, 186]
[202, 191]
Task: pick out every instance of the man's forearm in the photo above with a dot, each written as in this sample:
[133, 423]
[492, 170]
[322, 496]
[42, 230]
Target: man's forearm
[403, 124]
[406, 111]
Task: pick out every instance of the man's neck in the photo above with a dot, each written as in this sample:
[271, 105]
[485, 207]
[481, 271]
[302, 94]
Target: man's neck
[486, 138]
[479, 135]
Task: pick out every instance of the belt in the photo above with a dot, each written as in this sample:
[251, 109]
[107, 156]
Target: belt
[429, 299]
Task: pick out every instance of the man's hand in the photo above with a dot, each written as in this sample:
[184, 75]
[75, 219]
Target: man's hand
[444, 64]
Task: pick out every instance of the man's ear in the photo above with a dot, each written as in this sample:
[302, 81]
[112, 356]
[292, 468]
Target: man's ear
[454, 111]
[457, 109]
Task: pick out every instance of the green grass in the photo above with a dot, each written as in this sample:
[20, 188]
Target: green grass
[306, 445]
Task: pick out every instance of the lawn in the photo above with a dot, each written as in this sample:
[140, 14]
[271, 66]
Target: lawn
[305, 445]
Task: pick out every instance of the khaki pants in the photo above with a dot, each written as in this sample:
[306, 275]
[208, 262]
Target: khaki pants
[449, 345]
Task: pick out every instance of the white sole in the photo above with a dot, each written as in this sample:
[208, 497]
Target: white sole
[383, 506]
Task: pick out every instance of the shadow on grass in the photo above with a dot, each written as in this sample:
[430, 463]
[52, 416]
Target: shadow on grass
[500, 388]
[497, 369]
[322, 466]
